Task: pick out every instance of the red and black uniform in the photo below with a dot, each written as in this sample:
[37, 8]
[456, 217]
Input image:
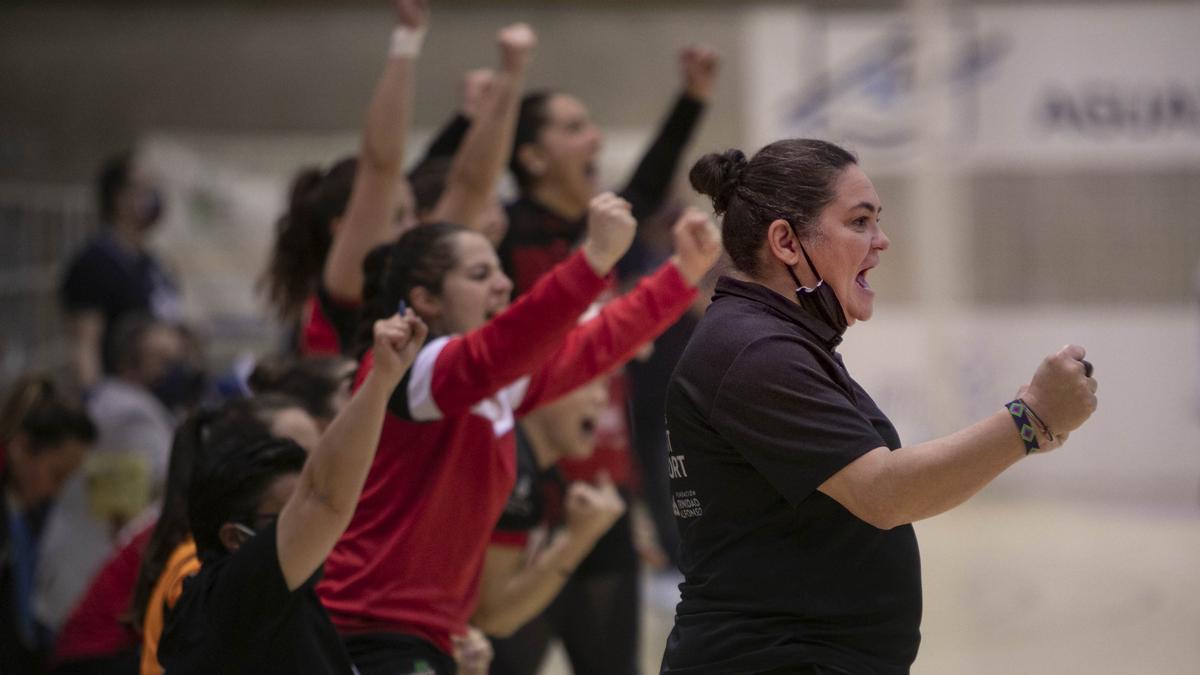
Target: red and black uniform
[409, 564]
[538, 237]
[327, 324]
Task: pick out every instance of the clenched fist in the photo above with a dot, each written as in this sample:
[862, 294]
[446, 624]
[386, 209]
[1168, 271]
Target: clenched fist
[1061, 392]
[699, 64]
[697, 244]
[592, 509]
[517, 43]
[397, 341]
[610, 230]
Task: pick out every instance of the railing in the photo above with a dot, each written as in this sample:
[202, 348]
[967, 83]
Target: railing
[41, 225]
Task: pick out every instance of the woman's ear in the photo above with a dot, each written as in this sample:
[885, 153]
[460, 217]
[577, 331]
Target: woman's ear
[427, 305]
[532, 159]
[231, 537]
[782, 243]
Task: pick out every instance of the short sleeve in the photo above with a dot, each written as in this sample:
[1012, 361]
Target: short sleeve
[249, 594]
[786, 410]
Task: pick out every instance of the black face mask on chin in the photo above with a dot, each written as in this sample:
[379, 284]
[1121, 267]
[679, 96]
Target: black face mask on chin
[820, 300]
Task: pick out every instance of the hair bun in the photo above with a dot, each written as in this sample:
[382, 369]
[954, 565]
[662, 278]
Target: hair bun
[718, 176]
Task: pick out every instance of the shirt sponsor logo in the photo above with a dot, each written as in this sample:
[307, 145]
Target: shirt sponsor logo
[686, 505]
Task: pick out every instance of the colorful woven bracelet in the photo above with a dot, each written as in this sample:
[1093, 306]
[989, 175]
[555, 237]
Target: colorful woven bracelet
[1020, 415]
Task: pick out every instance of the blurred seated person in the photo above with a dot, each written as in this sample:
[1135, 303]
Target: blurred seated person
[134, 411]
[44, 441]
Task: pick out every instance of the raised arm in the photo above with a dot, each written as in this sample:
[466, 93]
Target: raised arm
[452, 374]
[625, 324]
[512, 592]
[369, 218]
[651, 180]
[887, 489]
[320, 509]
[479, 163]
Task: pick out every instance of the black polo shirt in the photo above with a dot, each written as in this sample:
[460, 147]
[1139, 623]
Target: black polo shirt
[238, 616]
[760, 412]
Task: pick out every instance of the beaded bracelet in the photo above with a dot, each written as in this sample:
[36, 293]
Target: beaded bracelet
[1041, 424]
[1019, 412]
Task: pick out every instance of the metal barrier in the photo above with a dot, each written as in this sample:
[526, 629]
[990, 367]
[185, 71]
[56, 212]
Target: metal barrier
[41, 225]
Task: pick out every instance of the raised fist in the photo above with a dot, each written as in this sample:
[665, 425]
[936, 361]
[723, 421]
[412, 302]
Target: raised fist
[610, 230]
[592, 509]
[517, 43]
[476, 85]
[697, 244]
[699, 64]
[412, 13]
[397, 341]
[1061, 392]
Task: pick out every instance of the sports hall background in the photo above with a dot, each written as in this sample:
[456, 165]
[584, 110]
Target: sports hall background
[1039, 164]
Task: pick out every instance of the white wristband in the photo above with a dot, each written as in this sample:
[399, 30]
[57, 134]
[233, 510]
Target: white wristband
[406, 42]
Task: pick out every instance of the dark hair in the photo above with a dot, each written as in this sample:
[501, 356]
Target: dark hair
[35, 409]
[113, 177]
[310, 382]
[791, 179]
[428, 181]
[187, 449]
[421, 257]
[237, 462]
[303, 235]
[530, 120]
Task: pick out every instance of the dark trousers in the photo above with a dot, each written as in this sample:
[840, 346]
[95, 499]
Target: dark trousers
[596, 615]
[395, 654]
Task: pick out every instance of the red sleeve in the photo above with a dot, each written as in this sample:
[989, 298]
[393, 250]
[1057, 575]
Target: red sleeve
[612, 337]
[509, 539]
[451, 374]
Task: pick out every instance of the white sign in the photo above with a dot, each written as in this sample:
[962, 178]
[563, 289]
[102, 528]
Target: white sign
[1066, 85]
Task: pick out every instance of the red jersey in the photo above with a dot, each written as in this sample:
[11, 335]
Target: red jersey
[411, 558]
[327, 324]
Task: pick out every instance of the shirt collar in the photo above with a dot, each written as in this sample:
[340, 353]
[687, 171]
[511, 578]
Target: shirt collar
[780, 306]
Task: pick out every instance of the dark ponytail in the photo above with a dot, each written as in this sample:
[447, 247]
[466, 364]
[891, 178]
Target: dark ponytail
[530, 119]
[792, 179]
[172, 526]
[421, 257]
[190, 448]
[303, 235]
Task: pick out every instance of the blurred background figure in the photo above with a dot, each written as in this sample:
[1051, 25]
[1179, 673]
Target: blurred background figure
[116, 275]
[43, 440]
[134, 407]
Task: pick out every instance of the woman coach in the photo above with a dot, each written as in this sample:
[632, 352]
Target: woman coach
[793, 494]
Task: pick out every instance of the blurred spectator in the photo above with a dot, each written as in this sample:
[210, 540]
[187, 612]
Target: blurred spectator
[44, 441]
[115, 275]
[134, 413]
